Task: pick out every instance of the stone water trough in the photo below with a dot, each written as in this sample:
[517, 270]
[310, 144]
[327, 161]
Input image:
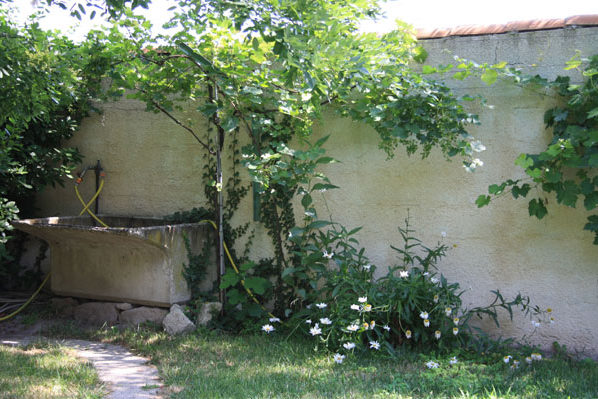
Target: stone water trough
[135, 260]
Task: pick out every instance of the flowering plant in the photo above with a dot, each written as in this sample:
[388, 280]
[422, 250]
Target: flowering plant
[349, 310]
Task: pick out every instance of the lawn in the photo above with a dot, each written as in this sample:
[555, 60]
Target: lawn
[46, 371]
[210, 364]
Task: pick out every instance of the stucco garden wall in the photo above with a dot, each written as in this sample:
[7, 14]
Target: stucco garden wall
[154, 168]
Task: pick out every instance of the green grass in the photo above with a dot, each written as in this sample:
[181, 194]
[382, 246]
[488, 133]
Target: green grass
[46, 371]
[209, 364]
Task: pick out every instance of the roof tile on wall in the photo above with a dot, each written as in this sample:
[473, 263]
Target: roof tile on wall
[515, 26]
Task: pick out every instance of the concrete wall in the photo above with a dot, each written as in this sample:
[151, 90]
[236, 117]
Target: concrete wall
[154, 168]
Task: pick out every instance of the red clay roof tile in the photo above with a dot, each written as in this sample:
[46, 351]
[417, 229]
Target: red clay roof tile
[515, 26]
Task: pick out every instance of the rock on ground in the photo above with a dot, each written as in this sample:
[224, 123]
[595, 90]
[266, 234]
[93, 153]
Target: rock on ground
[142, 314]
[124, 306]
[96, 313]
[176, 322]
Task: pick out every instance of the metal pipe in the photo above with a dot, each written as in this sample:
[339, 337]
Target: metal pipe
[98, 170]
[219, 187]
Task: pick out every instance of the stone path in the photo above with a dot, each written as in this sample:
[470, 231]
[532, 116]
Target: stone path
[126, 376]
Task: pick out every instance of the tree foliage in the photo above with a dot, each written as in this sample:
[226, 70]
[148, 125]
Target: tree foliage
[89, 8]
[264, 72]
[275, 66]
[46, 83]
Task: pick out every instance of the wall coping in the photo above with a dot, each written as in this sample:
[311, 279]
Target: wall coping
[515, 26]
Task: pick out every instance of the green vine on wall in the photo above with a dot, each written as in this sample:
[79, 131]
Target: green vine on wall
[567, 167]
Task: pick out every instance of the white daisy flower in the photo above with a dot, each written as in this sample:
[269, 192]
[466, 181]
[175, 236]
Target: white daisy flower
[536, 356]
[326, 321]
[328, 255]
[338, 358]
[515, 364]
[448, 311]
[528, 360]
[353, 327]
[367, 308]
[435, 280]
[507, 358]
[456, 321]
[386, 327]
[453, 360]
[432, 365]
[455, 331]
[268, 328]
[355, 307]
[308, 321]
[315, 330]
[274, 320]
[363, 299]
[367, 267]
[403, 274]
[426, 323]
[437, 334]
[372, 324]
[374, 345]
[348, 345]
[423, 315]
[436, 298]
[535, 323]
[408, 334]
[321, 305]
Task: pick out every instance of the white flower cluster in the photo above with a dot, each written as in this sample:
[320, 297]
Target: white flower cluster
[528, 359]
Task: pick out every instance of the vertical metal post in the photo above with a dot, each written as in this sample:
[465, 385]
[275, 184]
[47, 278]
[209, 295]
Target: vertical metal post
[220, 202]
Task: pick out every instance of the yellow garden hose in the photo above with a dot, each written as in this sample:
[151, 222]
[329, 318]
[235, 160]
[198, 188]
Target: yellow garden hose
[230, 258]
[232, 262]
[28, 301]
[86, 206]
[86, 209]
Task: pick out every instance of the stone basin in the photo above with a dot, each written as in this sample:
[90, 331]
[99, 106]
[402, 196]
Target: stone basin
[137, 259]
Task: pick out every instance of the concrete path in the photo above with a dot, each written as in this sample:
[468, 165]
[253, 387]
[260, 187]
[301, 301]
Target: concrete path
[126, 376]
